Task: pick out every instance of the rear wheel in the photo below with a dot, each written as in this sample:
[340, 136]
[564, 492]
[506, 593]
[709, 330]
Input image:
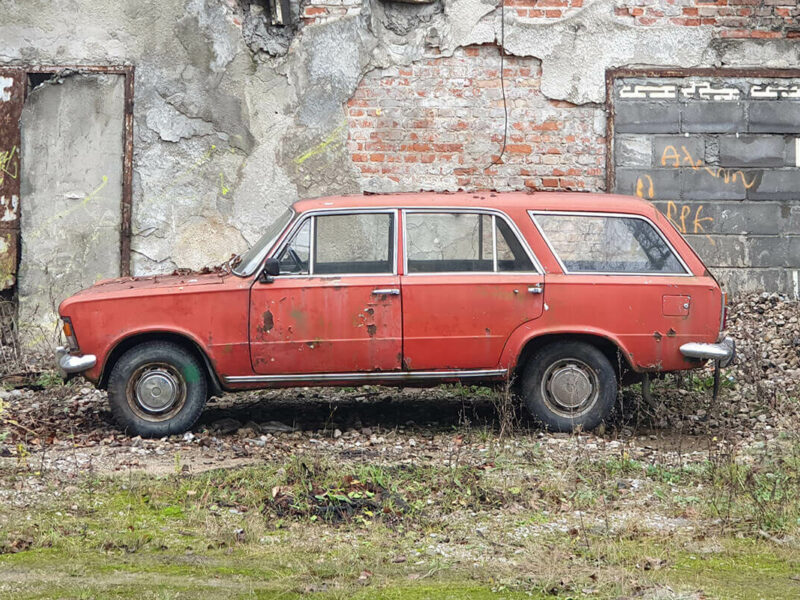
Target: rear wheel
[567, 385]
[157, 389]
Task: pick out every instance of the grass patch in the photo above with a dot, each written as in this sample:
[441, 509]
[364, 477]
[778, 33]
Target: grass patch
[494, 525]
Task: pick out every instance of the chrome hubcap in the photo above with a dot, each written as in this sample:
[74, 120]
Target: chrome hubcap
[570, 387]
[157, 391]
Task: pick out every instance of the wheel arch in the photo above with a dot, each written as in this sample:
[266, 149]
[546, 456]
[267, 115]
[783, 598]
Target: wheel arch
[615, 354]
[184, 341]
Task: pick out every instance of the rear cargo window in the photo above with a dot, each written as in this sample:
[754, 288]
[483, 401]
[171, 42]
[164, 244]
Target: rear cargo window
[607, 244]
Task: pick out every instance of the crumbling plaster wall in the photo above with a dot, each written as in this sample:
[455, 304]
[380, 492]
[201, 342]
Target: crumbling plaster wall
[226, 136]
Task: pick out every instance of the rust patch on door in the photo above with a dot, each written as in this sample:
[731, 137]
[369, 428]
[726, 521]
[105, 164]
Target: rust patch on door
[267, 323]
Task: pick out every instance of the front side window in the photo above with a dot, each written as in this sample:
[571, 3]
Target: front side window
[248, 262]
[607, 244]
[349, 244]
[294, 256]
[460, 242]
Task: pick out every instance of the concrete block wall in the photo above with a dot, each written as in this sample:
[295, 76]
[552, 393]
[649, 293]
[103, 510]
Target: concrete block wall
[719, 157]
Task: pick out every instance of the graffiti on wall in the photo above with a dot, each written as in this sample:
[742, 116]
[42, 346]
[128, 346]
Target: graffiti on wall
[705, 90]
[9, 164]
[685, 217]
[670, 157]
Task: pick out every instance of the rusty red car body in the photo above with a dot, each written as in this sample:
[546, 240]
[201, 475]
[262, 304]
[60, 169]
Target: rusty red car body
[396, 327]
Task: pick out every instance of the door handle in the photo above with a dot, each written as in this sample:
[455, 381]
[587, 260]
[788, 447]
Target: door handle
[386, 292]
[536, 289]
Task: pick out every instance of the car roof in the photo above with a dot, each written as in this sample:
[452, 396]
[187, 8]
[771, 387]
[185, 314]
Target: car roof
[567, 201]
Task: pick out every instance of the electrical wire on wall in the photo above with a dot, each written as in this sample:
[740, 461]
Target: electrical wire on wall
[502, 50]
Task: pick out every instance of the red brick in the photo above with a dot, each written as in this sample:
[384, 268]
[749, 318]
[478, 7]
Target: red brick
[519, 148]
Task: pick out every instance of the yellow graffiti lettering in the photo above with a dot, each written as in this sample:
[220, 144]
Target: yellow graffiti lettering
[671, 210]
[747, 184]
[7, 163]
[678, 215]
[640, 187]
[698, 220]
[688, 158]
[671, 158]
[670, 154]
[685, 210]
[320, 148]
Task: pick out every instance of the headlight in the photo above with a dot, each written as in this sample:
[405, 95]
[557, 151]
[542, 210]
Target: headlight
[69, 334]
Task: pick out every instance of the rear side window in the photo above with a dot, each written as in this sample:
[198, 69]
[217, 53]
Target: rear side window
[459, 242]
[608, 244]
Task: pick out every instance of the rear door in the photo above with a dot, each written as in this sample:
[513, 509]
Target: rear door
[335, 307]
[469, 280]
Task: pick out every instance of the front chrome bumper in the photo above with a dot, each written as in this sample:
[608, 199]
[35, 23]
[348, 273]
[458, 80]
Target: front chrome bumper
[70, 364]
[724, 351]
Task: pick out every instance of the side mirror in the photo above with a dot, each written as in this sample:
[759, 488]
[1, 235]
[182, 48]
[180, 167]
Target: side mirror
[272, 268]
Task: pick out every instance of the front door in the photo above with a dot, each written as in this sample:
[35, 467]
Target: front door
[336, 306]
[469, 282]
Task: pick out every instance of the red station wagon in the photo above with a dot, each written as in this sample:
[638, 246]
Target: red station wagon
[559, 293]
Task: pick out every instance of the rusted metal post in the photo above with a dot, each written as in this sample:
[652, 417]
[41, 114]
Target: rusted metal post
[12, 95]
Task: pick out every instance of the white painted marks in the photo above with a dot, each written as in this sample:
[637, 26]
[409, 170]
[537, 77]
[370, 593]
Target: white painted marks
[703, 90]
[706, 90]
[796, 284]
[649, 91]
[9, 208]
[700, 90]
[775, 91]
[797, 152]
[5, 88]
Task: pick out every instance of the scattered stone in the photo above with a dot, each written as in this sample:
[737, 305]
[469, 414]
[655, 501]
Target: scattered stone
[227, 425]
[276, 427]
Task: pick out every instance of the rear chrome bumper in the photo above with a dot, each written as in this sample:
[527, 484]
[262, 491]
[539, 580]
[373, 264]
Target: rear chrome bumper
[70, 364]
[723, 351]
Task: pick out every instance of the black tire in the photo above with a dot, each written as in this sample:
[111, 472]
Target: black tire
[567, 385]
[151, 374]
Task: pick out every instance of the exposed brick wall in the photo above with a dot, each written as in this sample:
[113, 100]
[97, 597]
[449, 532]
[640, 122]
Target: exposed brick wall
[543, 9]
[438, 124]
[321, 11]
[730, 18]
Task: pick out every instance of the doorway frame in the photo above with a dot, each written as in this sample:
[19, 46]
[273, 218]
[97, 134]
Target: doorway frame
[127, 71]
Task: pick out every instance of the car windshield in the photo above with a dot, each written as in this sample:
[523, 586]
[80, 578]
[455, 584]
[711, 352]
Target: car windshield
[248, 262]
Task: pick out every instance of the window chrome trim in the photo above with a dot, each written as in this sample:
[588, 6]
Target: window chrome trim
[373, 376]
[394, 212]
[539, 270]
[570, 213]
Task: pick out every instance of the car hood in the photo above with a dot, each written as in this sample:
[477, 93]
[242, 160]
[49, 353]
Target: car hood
[122, 284]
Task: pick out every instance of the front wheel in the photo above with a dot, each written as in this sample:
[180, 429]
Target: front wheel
[157, 389]
[567, 385]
